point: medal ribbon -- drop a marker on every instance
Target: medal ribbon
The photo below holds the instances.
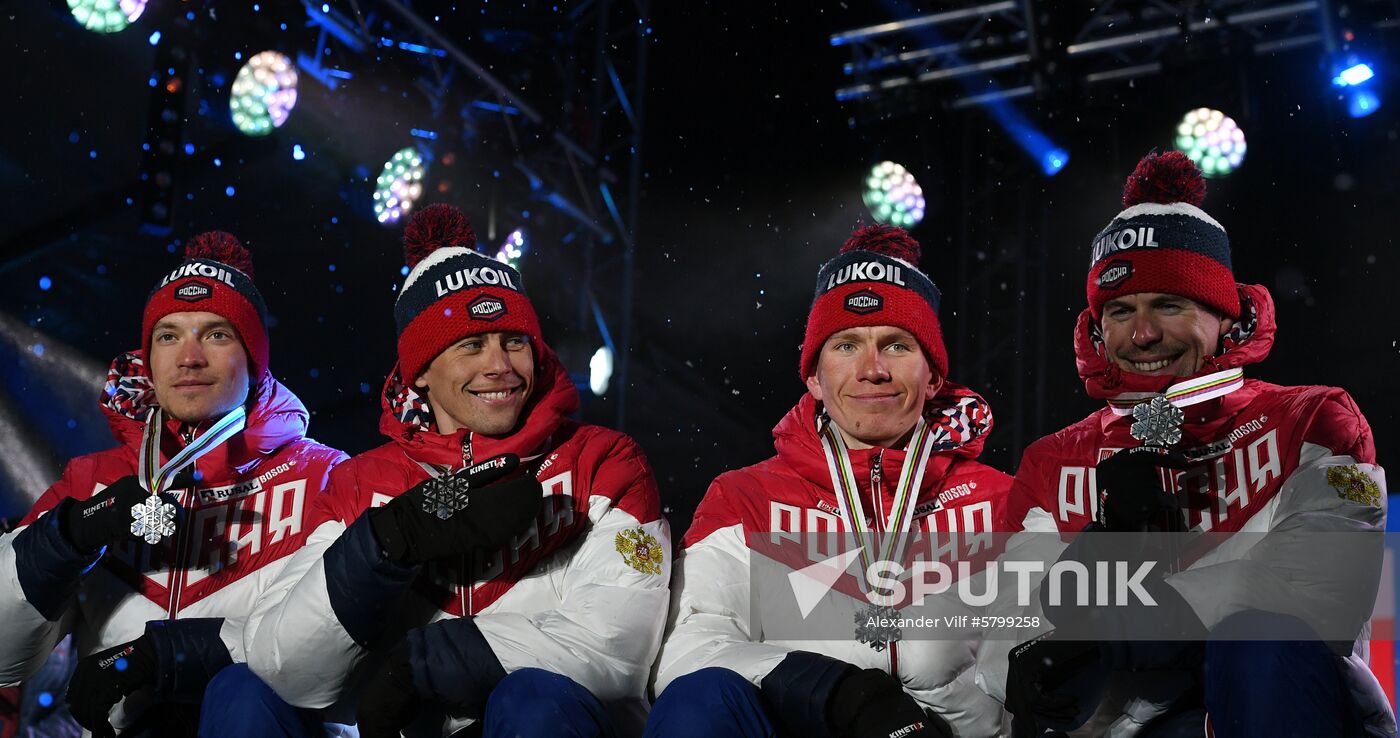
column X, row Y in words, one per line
column 1183, row 394
column 157, row 478
column 911, row 476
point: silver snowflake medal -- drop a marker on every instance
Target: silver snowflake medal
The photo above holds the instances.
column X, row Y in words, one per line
column 153, row 519
column 1157, row 423
column 445, row 495
column 876, row 626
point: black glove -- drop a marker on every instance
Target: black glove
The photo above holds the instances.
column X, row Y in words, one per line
column 1052, row 684
column 389, row 701
column 104, row 678
column 495, row 512
column 873, row 704
column 1131, row 498
column 106, row 516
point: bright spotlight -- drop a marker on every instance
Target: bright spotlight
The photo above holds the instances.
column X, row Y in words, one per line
column 1212, row 140
column 513, row 249
column 106, row 16
column 1053, row 161
column 399, row 185
column 600, row 369
column 1353, row 75
column 264, row 93
column 892, row 195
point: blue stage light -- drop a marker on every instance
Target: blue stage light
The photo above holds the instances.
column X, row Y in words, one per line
column 1361, row 103
column 1053, row 161
column 1354, row 75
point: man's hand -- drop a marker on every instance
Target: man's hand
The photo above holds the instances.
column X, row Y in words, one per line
column 389, row 701
column 1038, row 670
column 104, row 678
column 873, row 704
column 106, row 516
column 1130, row 491
column 494, row 513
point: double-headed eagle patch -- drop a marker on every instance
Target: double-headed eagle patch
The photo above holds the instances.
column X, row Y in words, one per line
column 1353, row 484
column 640, row 550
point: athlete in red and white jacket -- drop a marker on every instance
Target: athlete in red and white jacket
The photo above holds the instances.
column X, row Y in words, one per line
column 538, row 607
column 1166, row 317
column 172, row 613
column 874, row 364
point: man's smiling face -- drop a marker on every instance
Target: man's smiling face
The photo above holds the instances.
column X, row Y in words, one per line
column 1161, row 335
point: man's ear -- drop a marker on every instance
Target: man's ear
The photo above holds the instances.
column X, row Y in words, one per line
column 1226, row 325
column 421, row 382
column 814, row 388
column 935, row 385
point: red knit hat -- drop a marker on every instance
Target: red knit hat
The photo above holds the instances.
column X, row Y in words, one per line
column 452, row 291
column 875, row 280
column 216, row 277
column 1163, row 241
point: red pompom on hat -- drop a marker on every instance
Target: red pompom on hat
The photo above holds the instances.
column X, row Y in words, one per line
column 216, row 277
column 452, row 291
column 436, row 226
column 223, row 247
column 1165, row 179
column 875, row 280
column 1163, row 241
column 883, row 239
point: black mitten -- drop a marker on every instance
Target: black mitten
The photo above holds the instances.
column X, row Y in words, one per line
column 873, row 704
column 1131, row 494
column 104, row 678
column 106, row 516
column 493, row 514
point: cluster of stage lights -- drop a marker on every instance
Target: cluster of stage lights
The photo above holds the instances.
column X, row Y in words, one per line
column 106, row 16
column 892, row 195
column 513, row 249
column 1212, row 140
column 400, row 184
column 264, row 93
column 1354, row 82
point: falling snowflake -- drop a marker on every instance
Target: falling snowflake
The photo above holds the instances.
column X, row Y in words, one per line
column 1157, row 423
column 153, row 519
column 445, row 495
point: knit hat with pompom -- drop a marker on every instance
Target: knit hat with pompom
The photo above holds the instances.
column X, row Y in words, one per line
column 216, row 277
column 1163, row 241
column 875, row 280
column 452, row 291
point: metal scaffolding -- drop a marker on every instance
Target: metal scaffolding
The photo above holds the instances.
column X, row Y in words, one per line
column 579, row 151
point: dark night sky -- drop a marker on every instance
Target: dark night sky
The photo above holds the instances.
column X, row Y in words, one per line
column 752, row 177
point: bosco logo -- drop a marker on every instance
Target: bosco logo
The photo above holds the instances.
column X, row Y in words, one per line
column 1116, row 273
column 487, row 307
column 864, row 302
column 193, row 291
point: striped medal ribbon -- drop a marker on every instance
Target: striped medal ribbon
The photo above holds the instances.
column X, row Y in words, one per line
column 154, row 518
column 1183, row 394
column 891, row 546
